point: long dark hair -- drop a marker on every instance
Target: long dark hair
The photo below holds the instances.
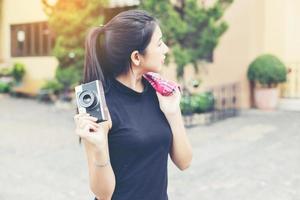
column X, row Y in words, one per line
column 108, row 47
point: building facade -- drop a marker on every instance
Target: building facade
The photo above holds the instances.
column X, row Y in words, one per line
column 255, row 27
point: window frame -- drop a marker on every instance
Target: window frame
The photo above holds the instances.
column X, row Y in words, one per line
column 38, row 40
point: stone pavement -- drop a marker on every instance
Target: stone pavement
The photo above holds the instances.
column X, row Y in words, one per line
column 255, row 156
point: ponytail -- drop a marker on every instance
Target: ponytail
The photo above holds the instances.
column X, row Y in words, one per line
column 92, row 68
column 108, row 48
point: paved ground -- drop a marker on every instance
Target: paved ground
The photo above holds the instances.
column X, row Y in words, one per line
column 252, row 157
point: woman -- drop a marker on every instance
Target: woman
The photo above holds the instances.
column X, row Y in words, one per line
column 128, row 154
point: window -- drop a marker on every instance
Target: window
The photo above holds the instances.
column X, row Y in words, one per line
column 32, row 39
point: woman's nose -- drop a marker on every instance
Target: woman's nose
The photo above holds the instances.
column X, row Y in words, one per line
column 166, row 49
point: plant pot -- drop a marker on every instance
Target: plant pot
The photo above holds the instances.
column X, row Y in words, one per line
column 266, row 98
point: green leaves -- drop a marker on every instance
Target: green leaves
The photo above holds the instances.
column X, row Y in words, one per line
column 68, row 76
column 5, row 87
column 53, row 86
column 182, row 57
column 192, row 31
column 267, row 70
column 70, row 20
column 198, row 103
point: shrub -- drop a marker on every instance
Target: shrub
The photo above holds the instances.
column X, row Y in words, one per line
column 198, row 103
column 18, row 71
column 4, row 87
column 202, row 102
column 68, row 76
column 267, row 70
column 185, row 105
column 53, row 86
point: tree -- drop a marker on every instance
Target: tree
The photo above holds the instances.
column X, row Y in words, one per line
column 69, row 20
column 192, row 30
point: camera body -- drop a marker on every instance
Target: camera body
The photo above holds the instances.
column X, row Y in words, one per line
column 90, row 99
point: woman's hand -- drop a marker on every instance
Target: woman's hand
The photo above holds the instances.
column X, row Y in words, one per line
column 92, row 132
column 170, row 105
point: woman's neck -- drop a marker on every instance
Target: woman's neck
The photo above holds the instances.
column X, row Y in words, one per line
column 132, row 81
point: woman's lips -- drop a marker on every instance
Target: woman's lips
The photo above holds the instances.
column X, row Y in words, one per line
column 163, row 60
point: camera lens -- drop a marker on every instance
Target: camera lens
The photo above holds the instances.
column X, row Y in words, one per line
column 87, row 99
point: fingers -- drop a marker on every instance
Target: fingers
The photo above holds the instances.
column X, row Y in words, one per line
column 85, row 123
column 86, row 129
column 90, row 118
column 158, row 95
column 84, row 116
column 80, row 117
column 176, row 92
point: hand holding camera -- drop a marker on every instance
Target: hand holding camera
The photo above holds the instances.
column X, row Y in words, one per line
column 92, row 109
column 89, row 130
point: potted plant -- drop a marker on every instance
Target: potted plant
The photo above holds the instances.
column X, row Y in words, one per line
column 18, row 72
column 4, row 87
column 6, row 80
column 6, row 76
column 266, row 72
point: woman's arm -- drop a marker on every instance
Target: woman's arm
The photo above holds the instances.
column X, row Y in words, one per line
column 95, row 140
column 102, row 179
column 181, row 150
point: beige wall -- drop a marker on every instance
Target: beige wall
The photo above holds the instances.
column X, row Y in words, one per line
column 283, row 29
column 275, row 30
column 238, row 46
column 38, row 68
column 292, row 36
column 255, row 27
column 1, row 32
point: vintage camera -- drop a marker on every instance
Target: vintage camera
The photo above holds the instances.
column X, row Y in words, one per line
column 90, row 99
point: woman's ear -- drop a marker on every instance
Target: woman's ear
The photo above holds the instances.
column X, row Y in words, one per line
column 135, row 58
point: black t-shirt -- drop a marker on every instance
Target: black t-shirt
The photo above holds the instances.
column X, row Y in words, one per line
column 139, row 143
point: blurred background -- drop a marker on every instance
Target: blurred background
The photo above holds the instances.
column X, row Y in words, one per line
column 237, row 61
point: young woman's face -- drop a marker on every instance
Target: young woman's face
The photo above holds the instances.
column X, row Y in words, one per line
column 154, row 57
